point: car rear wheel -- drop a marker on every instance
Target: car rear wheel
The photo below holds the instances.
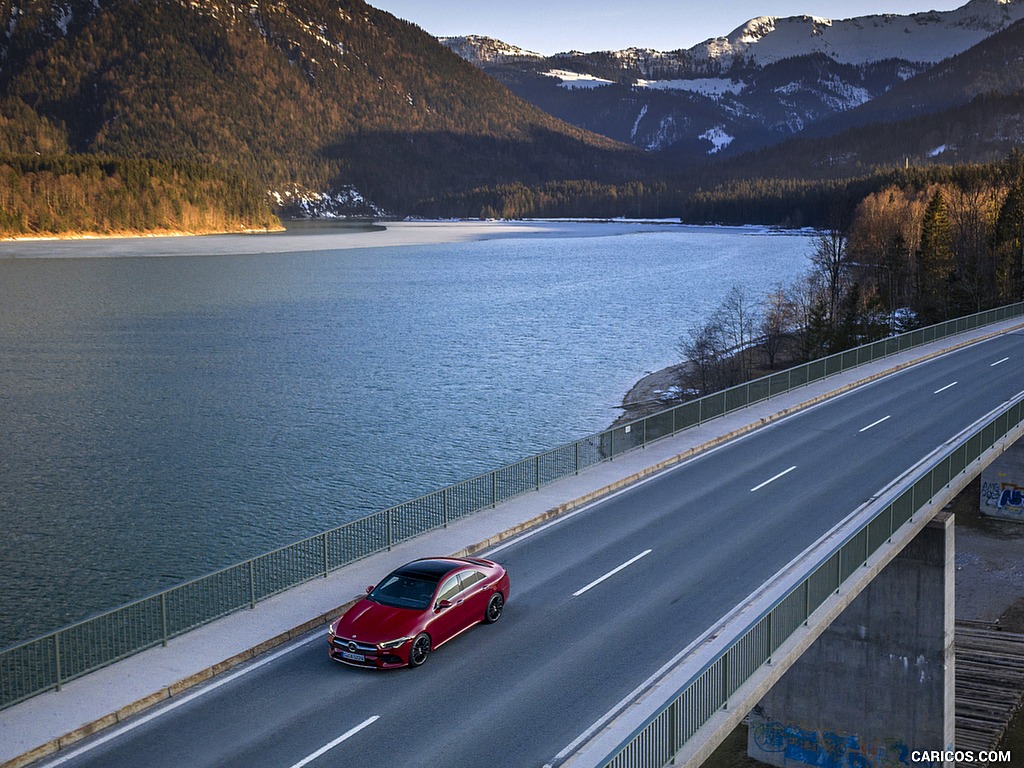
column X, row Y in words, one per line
column 420, row 650
column 494, row 608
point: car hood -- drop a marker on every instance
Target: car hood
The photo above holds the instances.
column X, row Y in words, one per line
column 371, row 622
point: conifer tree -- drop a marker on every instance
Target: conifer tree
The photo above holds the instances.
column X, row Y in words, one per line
column 1009, row 244
column 935, row 260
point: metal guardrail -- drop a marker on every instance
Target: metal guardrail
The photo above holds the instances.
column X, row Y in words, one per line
column 47, row 662
column 654, row 743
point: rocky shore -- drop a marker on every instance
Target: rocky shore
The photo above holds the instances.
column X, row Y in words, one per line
column 654, row 392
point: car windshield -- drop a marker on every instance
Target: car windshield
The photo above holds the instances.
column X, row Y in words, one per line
column 401, row 590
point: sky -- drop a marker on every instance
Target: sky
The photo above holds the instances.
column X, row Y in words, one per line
column 600, row 25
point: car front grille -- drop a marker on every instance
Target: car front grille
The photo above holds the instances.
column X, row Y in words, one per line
column 354, row 646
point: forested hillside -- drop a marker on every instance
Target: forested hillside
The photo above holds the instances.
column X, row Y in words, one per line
column 316, row 94
column 199, row 115
column 97, row 194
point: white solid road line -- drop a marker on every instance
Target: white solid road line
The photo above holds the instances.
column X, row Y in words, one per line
column 997, row 362
column 875, row 423
column 943, row 389
column 344, row 737
column 772, row 479
column 611, row 573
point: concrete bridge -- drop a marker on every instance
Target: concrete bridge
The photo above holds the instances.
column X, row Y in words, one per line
column 688, row 543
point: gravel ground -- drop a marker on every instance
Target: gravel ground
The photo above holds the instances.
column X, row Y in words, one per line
column 989, row 564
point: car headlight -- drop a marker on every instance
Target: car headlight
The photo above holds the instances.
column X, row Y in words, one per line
column 393, row 643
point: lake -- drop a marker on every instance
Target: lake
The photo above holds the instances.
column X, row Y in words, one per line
column 169, row 406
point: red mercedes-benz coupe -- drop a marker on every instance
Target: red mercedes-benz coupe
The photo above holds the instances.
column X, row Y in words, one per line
column 418, row 608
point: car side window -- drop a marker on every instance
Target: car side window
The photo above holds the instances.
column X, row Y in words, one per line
column 449, row 589
column 469, row 578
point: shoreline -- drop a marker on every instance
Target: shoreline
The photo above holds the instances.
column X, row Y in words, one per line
column 311, row 235
column 131, row 234
column 334, row 234
column 650, row 394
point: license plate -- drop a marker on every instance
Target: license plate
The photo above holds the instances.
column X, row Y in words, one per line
column 352, row 656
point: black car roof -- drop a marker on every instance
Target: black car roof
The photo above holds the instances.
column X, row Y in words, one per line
column 432, row 569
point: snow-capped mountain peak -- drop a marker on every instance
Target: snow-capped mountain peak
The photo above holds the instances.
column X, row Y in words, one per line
column 927, row 37
column 768, row 79
column 479, row 49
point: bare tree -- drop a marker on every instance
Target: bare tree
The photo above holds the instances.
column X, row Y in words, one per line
column 704, row 350
column 738, row 318
column 777, row 323
column 831, row 264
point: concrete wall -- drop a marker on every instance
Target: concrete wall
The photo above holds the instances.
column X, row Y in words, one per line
column 1002, row 485
column 878, row 684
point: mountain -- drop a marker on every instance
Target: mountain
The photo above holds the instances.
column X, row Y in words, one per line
column 967, row 109
column 768, row 80
column 993, row 66
column 925, row 37
column 316, row 101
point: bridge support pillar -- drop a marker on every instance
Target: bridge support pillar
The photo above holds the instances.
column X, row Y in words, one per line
column 1002, row 485
column 878, row 684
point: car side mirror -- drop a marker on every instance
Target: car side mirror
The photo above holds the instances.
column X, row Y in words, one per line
column 369, row 589
column 442, row 605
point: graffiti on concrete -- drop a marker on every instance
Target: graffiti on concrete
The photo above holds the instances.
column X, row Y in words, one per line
column 826, row 749
column 1007, row 497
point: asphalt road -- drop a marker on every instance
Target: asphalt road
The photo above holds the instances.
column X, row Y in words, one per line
column 574, row 640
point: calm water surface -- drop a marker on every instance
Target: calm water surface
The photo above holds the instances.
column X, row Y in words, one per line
column 163, row 417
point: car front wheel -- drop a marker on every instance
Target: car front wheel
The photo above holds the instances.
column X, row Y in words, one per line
column 494, row 608
column 420, row 650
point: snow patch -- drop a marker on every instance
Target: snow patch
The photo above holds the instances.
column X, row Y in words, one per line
column 13, row 24
column 847, row 95
column 665, row 136
column 636, row 123
column 64, row 20
column 937, row 151
column 576, row 79
column 718, row 138
column 345, row 202
column 714, row 87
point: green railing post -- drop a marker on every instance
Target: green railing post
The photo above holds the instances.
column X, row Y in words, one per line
column 56, row 657
column 327, row 568
column 163, row 615
column 252, row 586
column 725, row 680
column 673, row 729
